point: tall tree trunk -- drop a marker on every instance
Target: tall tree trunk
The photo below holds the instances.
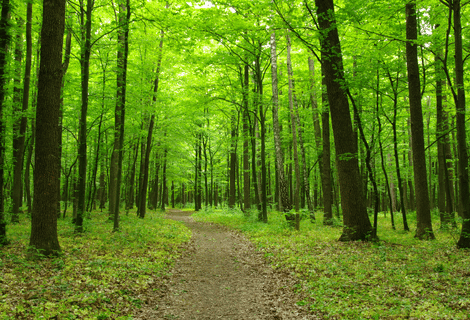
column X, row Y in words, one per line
column 284, row 200
column 355, row 219
column 119, row 120
column 326, row 158
column 44, row 237
column 262, row 126
column 233, row 159
column 85, row 17
column 246, row 140
column 164, row 189
column 196, row 174
column 18, row 114
column 394, row 85
column 4, row 40
column 294, row 134
column 145, row 176
column 464, row 241
column 423, row 213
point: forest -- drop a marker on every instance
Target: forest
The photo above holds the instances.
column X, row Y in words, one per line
column 313, row 120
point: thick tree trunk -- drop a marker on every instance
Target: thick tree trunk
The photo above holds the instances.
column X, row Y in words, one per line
column 464, row 241
column 44, row 239
column 355, row 219
column 4, row 40
column 423, row 213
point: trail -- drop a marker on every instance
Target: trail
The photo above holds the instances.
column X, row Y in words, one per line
column 222, row 276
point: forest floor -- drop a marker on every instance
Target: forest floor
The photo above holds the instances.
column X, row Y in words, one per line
column 222, row 276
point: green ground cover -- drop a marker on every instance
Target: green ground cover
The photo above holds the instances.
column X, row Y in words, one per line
column 397, row 277
column 98, row 275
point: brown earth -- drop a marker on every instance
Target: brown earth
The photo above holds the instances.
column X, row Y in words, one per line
column 222, row 276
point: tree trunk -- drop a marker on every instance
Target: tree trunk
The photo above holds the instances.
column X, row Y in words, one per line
column 44, row 239
column 294, row 135
column 284, row 200
column 116, row 159
column 4, row 40
column 85, row 17
column 263, row 214
column 233, row 159
column 356, row 221
column 423, row 213
column 164, row 191
column 326, row 159
column 464, row 241
column 246, row 141
column 19, row 119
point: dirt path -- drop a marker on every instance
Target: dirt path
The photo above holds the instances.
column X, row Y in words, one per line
column 221, row 276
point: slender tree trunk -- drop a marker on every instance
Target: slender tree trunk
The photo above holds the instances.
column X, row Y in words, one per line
column 284, row 200
column 233, row 159
column 294, row 134
column 423, row 213
column 326, row 159
column 27, row 175
column 401, row 191
column 44, row 238
column 262, row 127
column 164, row 191
column 116, row 159
column 246, row 141
column 82, row 141
column 18, row 138
column 355, row 219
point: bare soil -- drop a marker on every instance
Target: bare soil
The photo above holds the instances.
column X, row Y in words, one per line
column 222, row 276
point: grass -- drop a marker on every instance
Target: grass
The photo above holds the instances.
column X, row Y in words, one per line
column 98, row 275
column 398, row 277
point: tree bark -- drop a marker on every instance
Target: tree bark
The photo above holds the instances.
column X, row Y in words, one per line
column 294, row 134
column 119, row 119
column 355, row 219
column 18, row 137
column 326, row 159
column 423, row 213
column 4, row 40
column 44, row 239
column 246, row 141
column 233, row 160
column 464, row 192
column 285, row 203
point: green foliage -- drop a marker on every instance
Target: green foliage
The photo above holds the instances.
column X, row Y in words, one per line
column 396, row 278
column 98, row 275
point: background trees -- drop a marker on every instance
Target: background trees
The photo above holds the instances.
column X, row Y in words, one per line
column 206, row 141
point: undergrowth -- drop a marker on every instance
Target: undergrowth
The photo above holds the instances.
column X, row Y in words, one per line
column 397, row 277
column 98, row 275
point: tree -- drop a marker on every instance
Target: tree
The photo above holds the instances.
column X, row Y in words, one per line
column 423, row 212
column 44, row 238
column 4, row 39
column 284, row 199
column 356, row 222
